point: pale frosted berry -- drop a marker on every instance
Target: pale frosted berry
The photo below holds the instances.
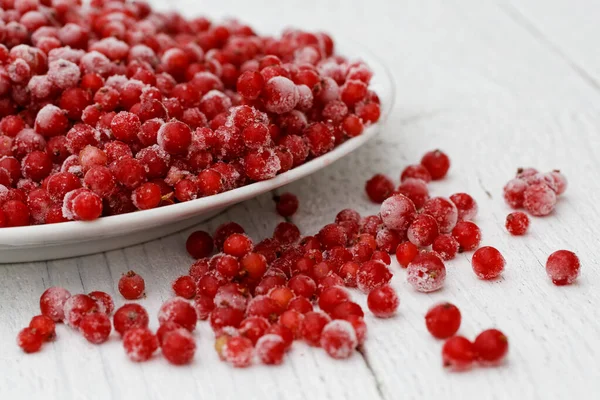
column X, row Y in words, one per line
column 199, row 244
column 179, row 311
column 437, row 163
column 95, row 327
column 467, row 234
column 139, row 344
column 300, row 304
column 104, row 302
column 383, row 301
column 416, row 171
column 232, row 295
column 539, row 199
column 130, row 316
column 514, row 192
column 398, row 212
column 443, row 320
column 178, row 346
column 270, row 349
column 446, row 246
column 280, row 95
column 286, row 204
column 388, row 239
column 52, row 302
column 416, row 190
column 30, row 340
column 184, row 286
column 560, row 181
column 426, row 273
column 490, row 347
column 76, row 307
column 487, row 263
column 238, row 351
column 379, row 188
column 423, row 230
column 444, row 211
column 338, row 339
column 405, row 253
column 371, row 275
column 360, row 327
column 517, row 223
column 254, row 328
column 131, row 286
column 466, row 206
column 458, row 354
column 563, row 267
column 525, row 173
column 44, row 326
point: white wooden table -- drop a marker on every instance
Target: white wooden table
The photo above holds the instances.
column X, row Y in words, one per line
column 497, row 85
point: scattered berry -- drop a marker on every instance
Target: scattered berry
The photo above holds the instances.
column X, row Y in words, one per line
column 458, row 354
column 487, row 263
column 467, row 234
column 52, row 303
column 443, row 320
column 338, row 339
column 30, row 340
column 130, row 316
column 466, row 206
column 383, row 301
column 286, row 204
column 44, row 326
column 178, row 346
column 562, row 267
column 517, row 223
column 446, row 246
column 95, row 327
column 490, row 346
column 426, row 273
column 131, row 286
column 437, row 163
column 379, row 188
column 139, row 344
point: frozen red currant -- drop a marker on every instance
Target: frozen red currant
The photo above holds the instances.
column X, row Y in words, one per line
column 467, row 234
column 539, row 199
column 331, row 297
column 446, row 246
column 560, row 181
column 184, row 286
column 398, row 212
column 76, row 307
column 199, row 244
column 312, row 325
column 405, row 253
column 437, row 163
column 371, row 275
column 443, row 320
column 237, row 245
column 104, row 302
column 423, row 230
column 458, row 353
column 131, row 286
column 517, row 223
column 426, row 273
column 490, row 347
column 487, row 263
column 338, row 339
column 563, row 267
column 44, row 326
column 270, row 349
column 416, row 171
column 379, row 188
column 416, row 190
column 466, row 206
column 52, row 302
column 514, row 192
column 130, row 316
column 444, row 211
column 95, row 327
column 238, row 351
column 178, row 346
column 286, row 204
column 383, row 301
column 174, row 137
column 30, row 340
column 139, row 344
column 179, row 311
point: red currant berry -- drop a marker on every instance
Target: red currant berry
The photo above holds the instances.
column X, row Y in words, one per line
column 406, row 252
column 338, row 339
column 383, row 301
column 467, row 234
column 517, row 223
column 416, row 171
column 491, row 346
column 199, row 244
column 103, row 301
column 423, row 230
column 458, row 353
column 446, row 246
column 539, row 199
column 95, row 327
column 30, row 340
column 286, row 204
column 238, row 351
column 437, row 163
column 416, row 190
column 139, row 344
column 487, row 263
column 444, row 211
column 52, row 303
column 130, row 316
column 563, row 267
column 76, row 307
column 398, row 212
column 514, row 192
column 132, row 286
column 371, row 275
column 44, row 326
column 184, row 286
column 178, row 346
column 466, row 206
column 443, row 320
column 379, row 188
column 180, row 311
column 426, row 273
column 270, row 349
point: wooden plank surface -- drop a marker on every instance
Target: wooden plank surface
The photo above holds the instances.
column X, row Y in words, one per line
column 497, row 86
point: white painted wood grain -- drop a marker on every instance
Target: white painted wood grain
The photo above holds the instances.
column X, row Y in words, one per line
column 497, row 86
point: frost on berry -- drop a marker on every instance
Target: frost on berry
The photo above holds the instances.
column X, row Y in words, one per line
column 514, row 192
column 179, row 311
column 338, row 339
column 444, row 211
column 539, row 199
column 52, row 302
column 563, row 267
column 270, row 349
column 487, row 263
column 397, row 212
column 426, row 273
column 517, row 223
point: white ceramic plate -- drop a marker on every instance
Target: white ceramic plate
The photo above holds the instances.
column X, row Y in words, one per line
column 71, row 239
